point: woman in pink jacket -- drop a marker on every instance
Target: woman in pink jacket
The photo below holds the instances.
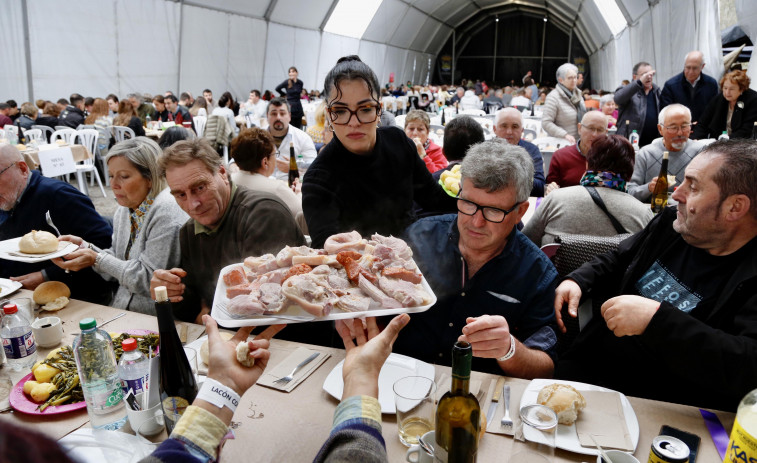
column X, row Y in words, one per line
column 417, row 126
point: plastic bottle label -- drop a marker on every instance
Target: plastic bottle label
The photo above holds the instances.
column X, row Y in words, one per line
column 100, row 397
column 136, row 385
column 19, row 347
column 742, row 448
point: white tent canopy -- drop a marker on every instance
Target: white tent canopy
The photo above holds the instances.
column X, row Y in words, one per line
column 95, row 47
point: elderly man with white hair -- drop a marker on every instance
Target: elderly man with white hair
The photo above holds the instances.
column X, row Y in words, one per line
column 564, row 106
column 691, row 88
column 508, row 125
column 675, row 127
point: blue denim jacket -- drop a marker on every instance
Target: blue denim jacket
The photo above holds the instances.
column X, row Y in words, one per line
column 518, row 284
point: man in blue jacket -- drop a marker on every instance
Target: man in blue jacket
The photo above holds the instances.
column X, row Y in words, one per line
column 25, row 197
column 690, row 88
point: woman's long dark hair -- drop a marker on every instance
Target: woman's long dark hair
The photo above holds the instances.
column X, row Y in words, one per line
column 350, row 68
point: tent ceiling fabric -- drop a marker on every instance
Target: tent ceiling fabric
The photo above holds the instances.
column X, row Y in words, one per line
column 208, row 43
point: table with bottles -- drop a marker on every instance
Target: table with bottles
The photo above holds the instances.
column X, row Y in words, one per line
column 266, row 418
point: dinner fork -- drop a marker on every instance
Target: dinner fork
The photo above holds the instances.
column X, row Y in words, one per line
column 285, row 379
column 50, row 222
column 506, row 421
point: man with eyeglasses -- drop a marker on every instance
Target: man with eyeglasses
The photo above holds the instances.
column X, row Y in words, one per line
column 568, row 164
column 25, row 197
column 691, row 87
column 675, row 128
column 495, row 288
column 279, row 115
column 508, row 125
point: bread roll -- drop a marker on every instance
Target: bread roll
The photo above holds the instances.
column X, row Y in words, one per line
column 564, row 400
column 243, row 354
column 49, row 291
column 56, row 305
column 38, row 242
column 204, row 350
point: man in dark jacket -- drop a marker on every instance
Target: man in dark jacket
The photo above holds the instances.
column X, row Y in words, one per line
column 691, row 88
column 679, row 318
column 73, row 115
column 25, row 197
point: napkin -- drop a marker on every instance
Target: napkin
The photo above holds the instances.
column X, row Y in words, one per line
column 516, row 392
column 604, row 418
column 88, row 445
column 287, row 365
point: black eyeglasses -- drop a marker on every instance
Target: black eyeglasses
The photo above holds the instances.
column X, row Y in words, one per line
column 364, row 114
column 491, row 214
column 3, row 171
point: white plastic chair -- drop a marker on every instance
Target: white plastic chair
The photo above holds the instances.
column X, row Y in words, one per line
column 119, row 133
column 68, row 135
column 88, row 138
column 200, row 122
column 36, row 135
column 473, row 112
column 46, row 130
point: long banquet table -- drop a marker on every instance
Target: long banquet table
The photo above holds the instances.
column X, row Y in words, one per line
column 271, row 425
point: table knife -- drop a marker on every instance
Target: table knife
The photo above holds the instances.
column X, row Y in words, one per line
column 495, row 399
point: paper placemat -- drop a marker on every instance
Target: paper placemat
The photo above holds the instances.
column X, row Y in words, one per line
column 287, row 365
column 605, row 420
column 516, row 392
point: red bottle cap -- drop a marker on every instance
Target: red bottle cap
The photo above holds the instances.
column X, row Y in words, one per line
column 129, row 344
column 10, row 309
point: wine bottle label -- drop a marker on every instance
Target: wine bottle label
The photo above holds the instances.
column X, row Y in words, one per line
column 742, row 446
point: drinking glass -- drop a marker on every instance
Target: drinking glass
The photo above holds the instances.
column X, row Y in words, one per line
column 414, row 399
column 192, row 357
column 539, row 428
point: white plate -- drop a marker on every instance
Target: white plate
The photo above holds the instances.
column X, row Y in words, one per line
column 396, row 367
column 11, row 245
column 567, row 437
column 8, row 287
column 221, row 315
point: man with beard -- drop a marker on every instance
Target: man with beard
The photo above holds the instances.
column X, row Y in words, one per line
column 678, row 321
column 279, row 116
column 674, row 126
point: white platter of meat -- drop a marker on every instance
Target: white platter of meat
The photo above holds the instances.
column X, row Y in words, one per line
column 351, row 277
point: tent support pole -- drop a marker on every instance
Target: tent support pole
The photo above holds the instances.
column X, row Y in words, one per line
column 454, row 58
column 543, row 41
column 27, row 51
column 494, row 58
column 181, row 31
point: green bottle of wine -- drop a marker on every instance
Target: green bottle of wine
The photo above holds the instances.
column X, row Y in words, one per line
column 458, row 414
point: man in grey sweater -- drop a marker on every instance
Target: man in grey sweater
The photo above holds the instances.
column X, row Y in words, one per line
column 674, row 126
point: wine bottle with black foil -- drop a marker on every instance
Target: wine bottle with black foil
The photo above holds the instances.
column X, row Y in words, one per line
column 660, row 192
column 294, row 172
column 444, row 121
column 178, row 387
column 458, row 414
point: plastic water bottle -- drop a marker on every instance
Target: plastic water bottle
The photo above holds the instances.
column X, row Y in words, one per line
column 724, row 136
column 98, row 375
column 18, row 340
column 133, row 367
column 634, row 139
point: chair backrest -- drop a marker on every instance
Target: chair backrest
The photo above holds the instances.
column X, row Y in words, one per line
column 120, row 133
column 47, row 130
column 88, row 138
column 200, row 122
column 62, row 127
column 36, row 135
column 67, row 134
column 574, row 251
column 82, row 127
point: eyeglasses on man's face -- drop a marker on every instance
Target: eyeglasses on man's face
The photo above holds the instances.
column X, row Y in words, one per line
column 677, row 128
column 3, row 171
column 491, row 214
column 365, row 114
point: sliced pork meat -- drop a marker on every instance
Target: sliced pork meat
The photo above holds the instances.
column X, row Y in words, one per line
column 275, row 276
column 351, row 241
column 308, row 292
column 353, row 303
column 314, row 261
column 298, row 269
column 377, row 295
column 262, row 264
column 400, row 248
column 234, row 291
column 408, row 294
column 245, row 305
column 402, row 274
column 271, row 298
column 235, row 276
column 284, row 257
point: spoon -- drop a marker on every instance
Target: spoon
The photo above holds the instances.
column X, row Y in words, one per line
column 427, row 447
column 602, row 452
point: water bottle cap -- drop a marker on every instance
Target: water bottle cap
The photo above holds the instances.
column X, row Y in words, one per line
column 87, row 323
column 129, row 344
column 10, row 309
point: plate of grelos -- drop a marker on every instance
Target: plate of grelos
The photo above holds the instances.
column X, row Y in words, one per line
column 395, row 368
column 566, row 437
column 221, row 315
